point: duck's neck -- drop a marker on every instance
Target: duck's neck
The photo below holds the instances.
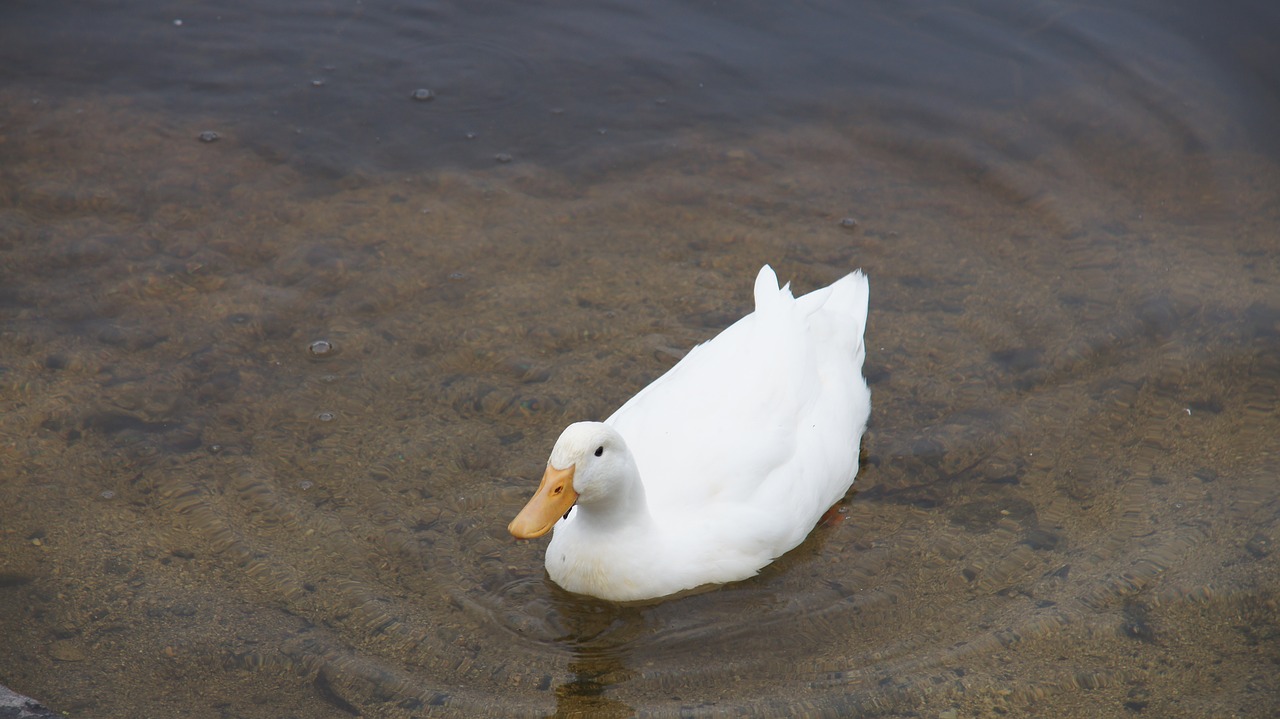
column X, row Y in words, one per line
column 622, row 508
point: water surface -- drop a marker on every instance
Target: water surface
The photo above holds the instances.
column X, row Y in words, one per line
column 269, row 401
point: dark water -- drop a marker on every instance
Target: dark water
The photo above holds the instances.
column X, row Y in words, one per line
column 268, row 402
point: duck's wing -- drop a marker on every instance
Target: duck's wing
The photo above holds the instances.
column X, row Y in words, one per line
column 763, row 414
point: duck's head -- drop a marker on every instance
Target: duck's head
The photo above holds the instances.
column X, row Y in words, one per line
column 588, row 464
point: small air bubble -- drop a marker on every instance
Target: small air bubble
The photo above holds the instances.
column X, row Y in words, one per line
column 422, row 94
column 209, row 136
column 326, row 416
column 107, row 494
column 305, row 484
column 321, row 348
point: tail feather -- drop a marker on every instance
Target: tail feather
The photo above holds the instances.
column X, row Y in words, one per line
column 767, row 294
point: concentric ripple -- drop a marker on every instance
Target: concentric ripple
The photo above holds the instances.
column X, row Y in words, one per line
column 936, row 584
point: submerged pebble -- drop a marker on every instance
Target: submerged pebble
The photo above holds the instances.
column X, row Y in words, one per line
column 503, row 157
column 321, row 348
column 1259, row 545
column 209, row 136
column 68, row 650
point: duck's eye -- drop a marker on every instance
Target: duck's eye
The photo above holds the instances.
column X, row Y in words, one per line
column 599, row 451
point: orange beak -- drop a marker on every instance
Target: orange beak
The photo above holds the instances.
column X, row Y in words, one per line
column 554, row 498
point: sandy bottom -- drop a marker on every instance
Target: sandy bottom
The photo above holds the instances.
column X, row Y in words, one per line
column 261, row 434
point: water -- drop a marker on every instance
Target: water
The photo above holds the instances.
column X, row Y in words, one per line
column 269, row 401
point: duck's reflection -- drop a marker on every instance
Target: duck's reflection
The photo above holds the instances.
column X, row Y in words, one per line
column 586, row 694
column 599, row 634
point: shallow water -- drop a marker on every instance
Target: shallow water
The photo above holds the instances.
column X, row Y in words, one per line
column 270, row 401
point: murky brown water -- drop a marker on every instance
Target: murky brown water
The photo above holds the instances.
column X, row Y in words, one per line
column 268, row 407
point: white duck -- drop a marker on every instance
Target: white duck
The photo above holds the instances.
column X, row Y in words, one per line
column 722, row 464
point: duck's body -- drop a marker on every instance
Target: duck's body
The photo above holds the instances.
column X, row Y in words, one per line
column 720, row 466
